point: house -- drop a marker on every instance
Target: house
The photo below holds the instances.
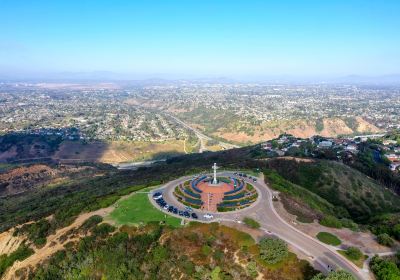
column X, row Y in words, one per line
column 325, row 144
column 351, row 148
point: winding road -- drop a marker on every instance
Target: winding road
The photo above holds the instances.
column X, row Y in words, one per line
column 202, row 137
column 323, row 257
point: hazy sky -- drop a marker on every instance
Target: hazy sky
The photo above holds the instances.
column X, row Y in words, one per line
column 201, row 37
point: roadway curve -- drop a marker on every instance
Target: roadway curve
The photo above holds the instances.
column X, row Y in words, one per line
column 320, row 254
column 202, row 137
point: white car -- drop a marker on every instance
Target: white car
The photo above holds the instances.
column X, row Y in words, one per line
column 208, row 216
column 157, row 196
column 166, row 207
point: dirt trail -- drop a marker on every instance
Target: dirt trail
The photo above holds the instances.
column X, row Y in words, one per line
column 53, row 244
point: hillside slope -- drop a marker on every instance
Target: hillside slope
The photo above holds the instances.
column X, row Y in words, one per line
column 351, row 193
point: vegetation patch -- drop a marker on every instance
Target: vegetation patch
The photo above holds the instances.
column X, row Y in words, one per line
column 355, row 255
column 251, row 222
column 384, row 269
column 329, row 238
column 273, row 250
column 20, row 254
column 331, row 221
column 198, row 251
column 137, row 209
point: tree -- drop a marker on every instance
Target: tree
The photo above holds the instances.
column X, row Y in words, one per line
column 384, row 269
column 354, row 253
column 384, row 239
column 273, row 250
column 319, row 276
column 396, row 231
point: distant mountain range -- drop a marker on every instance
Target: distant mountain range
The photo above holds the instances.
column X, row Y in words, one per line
column 157, row 78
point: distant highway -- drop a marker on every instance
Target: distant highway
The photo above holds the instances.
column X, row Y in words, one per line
column 320, row 254
column 202, row 137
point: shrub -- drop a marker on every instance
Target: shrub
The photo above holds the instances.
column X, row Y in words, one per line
column 206, row 250
column 103, row 230
column 385, row 240
column 91, row 222
column 354, row 253
column 347, row 223
column 36, row 232
column 251, row 222
column 396, row 231
column 336, row 275
column 20, row 254
column 252, row 269
column 273, row 250
column 331, row 221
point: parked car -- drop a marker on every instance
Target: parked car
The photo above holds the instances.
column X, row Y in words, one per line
column 194, row 216
column 208, row 216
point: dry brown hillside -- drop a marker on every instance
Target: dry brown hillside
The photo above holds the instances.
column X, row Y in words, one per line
column 331, row 127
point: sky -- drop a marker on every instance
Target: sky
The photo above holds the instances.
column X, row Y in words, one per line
column 201, row 38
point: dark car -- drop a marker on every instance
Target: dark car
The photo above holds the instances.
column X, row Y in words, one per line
column 175, row 211
column 186, row 214
column 194, row 216
column 170, row 209
column 180, row 212
column 156, row 194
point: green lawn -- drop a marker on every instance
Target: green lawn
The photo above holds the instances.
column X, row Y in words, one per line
column 328, row 238
column 137, row 209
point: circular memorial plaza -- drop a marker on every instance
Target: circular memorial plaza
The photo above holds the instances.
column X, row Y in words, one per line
column 224, row 194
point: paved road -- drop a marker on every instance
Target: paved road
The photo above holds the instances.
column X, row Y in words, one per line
column 320, row 254
column 202, row 137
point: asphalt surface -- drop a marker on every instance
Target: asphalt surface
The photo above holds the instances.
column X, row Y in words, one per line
column 202, row 137
column 322, row 256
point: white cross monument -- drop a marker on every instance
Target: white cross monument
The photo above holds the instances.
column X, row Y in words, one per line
column 215, row 167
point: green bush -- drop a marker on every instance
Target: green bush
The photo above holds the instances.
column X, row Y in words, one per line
column 347, row 223
column 91, row 222
column 273, row 250
column 206, row 250
column 252, row 269
column 36, row 232
column 103, row 230
column 251, row 222
column 385, row 240
column 354, row 253
column 384, row 269
column 331, row 221
column 20, row 254
column 335, row 275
